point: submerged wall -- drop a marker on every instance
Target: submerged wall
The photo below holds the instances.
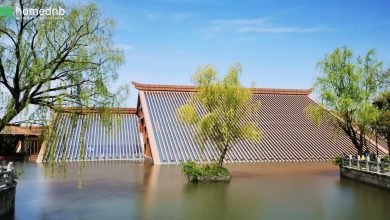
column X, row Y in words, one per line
column 7, row 199
column 375, row 179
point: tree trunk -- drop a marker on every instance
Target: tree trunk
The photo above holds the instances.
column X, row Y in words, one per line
column 222, row 156
column 388, row 142
column 360, row 150
column 358, row 145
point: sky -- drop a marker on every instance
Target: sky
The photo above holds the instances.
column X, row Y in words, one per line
column 278, row 43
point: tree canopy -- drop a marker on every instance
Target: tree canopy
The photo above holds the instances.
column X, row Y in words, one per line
column 226, row 108
column 49, row 62
column 347, row 87
column 382, row 124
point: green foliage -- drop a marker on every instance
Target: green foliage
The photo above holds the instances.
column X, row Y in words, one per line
column 17, row 172
column 385, row 159
column 338, row 160
column 225, row 109
column 214, row 169
column 382, row 124
column 373, row 157
column 346, row 88
column 193, row 170
column 50, row 63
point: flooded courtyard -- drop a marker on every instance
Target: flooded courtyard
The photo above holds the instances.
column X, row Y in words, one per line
column 126, row 190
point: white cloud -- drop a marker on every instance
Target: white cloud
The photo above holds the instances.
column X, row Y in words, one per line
column 239, row 22
column 278, row 30
column 179, row 16
column 256, row 25
column 125, row 46
column 152, row 15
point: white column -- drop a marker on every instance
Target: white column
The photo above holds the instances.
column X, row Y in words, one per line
column 350, row 161
column 358, row 162
column 378, row 168
column 10, row 166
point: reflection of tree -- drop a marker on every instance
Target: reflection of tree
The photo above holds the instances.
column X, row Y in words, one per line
column 81, row 167
column 59, row 170
column 205, row 201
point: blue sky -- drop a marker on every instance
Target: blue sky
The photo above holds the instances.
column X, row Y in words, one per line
column 277, row 42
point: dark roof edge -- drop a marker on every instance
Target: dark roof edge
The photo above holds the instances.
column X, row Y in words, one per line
column 179, row 88
column 97, row 110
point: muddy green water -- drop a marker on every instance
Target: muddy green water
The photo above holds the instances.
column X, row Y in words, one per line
column 124, row 190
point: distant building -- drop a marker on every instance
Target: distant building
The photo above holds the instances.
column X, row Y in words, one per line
column 152, row 131
column 20, row 141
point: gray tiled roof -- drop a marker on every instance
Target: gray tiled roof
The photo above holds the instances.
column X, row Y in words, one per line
column 288, row 134
column 88, row 139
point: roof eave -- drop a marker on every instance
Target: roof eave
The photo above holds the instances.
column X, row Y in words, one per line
column 178, row 88
column 97, row 110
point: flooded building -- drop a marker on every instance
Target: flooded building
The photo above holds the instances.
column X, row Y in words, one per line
column 152, row 132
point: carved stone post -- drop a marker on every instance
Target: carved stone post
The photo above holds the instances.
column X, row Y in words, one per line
column 350, row 161
column 378, row 168
column 358, row 162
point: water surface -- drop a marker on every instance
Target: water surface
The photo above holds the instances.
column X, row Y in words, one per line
column 125, row 190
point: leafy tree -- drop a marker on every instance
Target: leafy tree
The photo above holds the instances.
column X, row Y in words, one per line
column 384, row 80
column 224, row 117
column 48, row 62
column 382, row 125
column 346, row 88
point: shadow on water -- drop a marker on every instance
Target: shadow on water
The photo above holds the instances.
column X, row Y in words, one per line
column 128, row 190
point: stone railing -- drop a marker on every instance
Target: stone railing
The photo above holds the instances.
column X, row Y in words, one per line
column 6, row 177
column 377, row 167
column 7, row 189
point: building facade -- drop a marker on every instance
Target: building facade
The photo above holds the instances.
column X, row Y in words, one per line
column 20, row 142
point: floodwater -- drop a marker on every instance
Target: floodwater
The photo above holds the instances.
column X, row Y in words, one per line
column 125, row 190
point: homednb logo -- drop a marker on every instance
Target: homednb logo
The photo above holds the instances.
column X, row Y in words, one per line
column 49, row 12
column 6, row 12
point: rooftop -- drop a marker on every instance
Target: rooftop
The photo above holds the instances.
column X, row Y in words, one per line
column 97, row 110
column 22, row 130
column 180, row 88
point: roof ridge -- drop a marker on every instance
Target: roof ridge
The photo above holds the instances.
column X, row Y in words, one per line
column 182, row 88
column 96, row 110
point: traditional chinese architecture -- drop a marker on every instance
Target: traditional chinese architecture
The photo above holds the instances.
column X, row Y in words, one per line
column 20, row 141
column 152, row 131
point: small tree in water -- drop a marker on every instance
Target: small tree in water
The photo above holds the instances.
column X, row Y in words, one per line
column 225, row 112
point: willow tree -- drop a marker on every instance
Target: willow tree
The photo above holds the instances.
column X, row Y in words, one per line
column 225, row 112
column 347, row 87
column 382, row 124
column 55, row 60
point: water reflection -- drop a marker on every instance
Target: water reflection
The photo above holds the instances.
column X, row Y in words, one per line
column 126, row 190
